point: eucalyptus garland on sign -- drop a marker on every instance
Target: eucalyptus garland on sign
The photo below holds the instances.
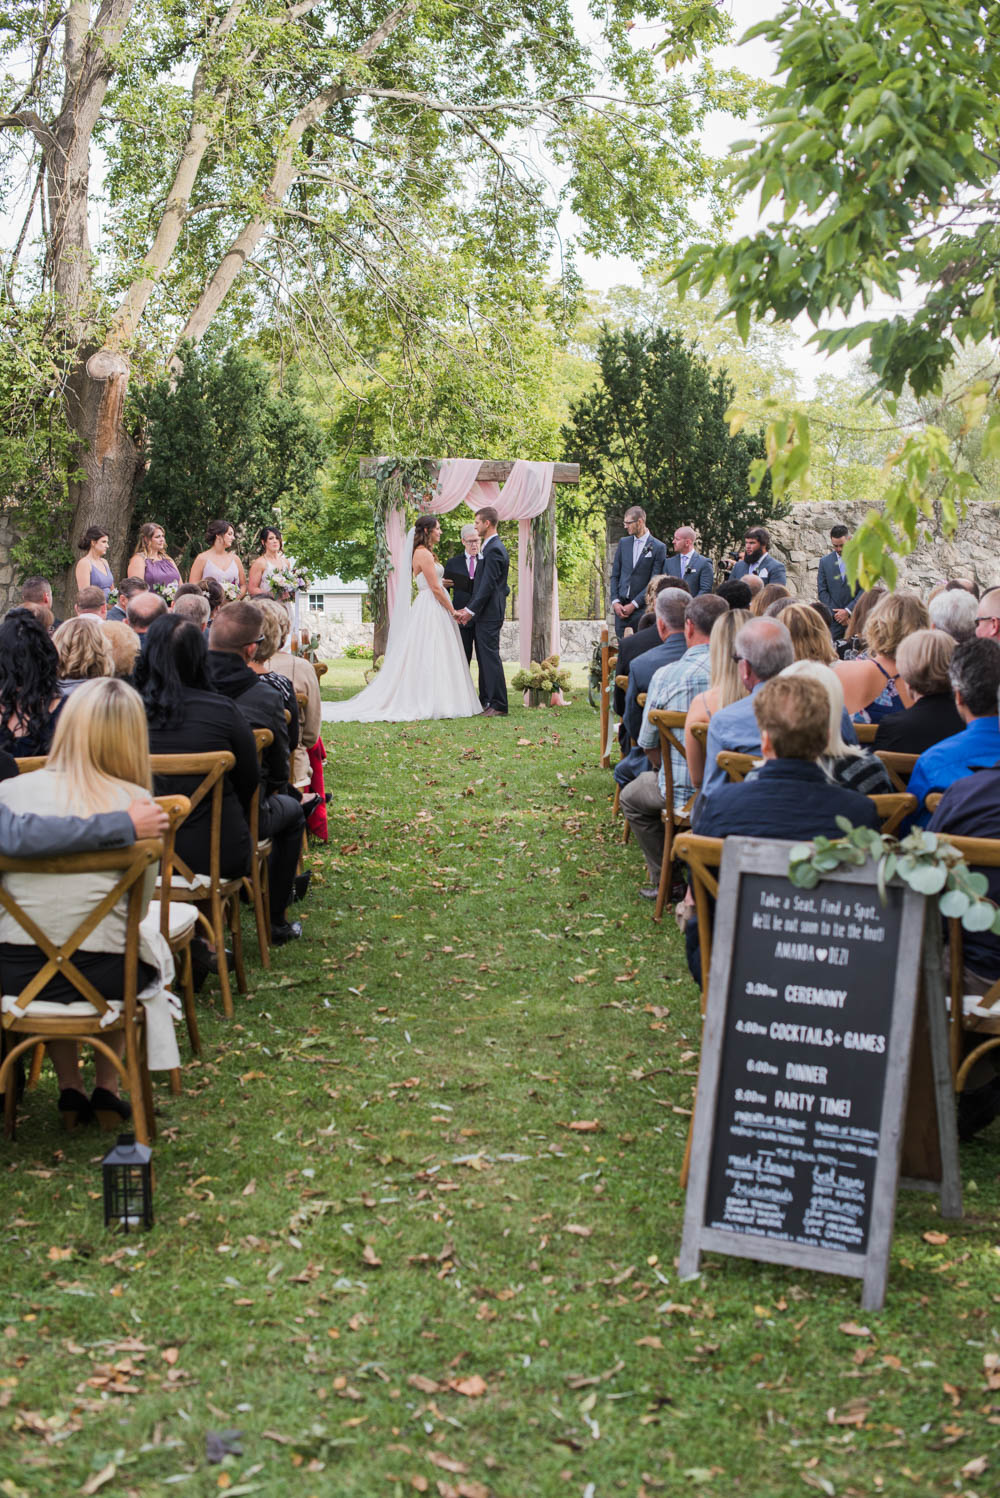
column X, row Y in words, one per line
column 398, row 482
column 926, row 861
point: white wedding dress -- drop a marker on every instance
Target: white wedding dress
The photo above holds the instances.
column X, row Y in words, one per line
column 424, row 674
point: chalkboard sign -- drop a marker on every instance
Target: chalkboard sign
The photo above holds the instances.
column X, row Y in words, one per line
column 802, row 1088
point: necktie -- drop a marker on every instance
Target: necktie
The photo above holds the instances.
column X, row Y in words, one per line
column 472, row 567
column 684, row 565
column 842, row 569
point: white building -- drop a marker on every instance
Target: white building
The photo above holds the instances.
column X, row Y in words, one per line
column 335, row 599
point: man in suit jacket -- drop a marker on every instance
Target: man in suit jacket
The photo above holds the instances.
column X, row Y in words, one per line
column 695, row 570
column 638, row 558
column 485, row 611
column 832, row 587
column 758, row 559
column 460, row 573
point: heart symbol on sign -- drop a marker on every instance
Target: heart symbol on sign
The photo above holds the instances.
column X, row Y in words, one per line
column 822, row 953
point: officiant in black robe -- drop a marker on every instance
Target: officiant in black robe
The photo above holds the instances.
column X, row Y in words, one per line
column 459, row 576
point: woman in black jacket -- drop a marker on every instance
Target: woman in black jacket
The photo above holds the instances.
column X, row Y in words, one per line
column 187, row 716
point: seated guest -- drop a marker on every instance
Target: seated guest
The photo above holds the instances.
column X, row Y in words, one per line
column 91, row 601
column 672, row 689
column 871, row 682
column 974, row 673
column 824, row 613
column 853, row 643
column 725, row 686
column 671, row 606
column 970, row 586
column 970, row 807
column 922, row 660
column 955, row 611
column 753, row 582
column 763, row 648
column 769, row 593
column 125, row 647
column 45, row 616
column 186, row 716
column 653, row 587
column 777, row 608
column 811, row 640
column 99, row 763
column 84, row 652
column 260, row 665
column 736, row 593
column 303, row 679
column 30, row 699
column 988, row 617
column 635, row 644
column 143, row 609
column 37, row 590
column 850, row 765
column 128, row 588
column 233, row 639
column 792, row 796
column 194, row 607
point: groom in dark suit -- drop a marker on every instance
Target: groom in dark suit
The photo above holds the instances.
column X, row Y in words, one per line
column 832, row 585
column 485, row 611
column 638, row 558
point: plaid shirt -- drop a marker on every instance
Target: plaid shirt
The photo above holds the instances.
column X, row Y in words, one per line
column 673, row 689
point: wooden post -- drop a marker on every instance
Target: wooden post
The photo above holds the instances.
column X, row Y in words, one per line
column 543, row 553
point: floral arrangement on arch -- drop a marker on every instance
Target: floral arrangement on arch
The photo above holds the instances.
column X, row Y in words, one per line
column 542, row 676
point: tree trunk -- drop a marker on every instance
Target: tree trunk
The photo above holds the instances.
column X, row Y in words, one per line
column 543, row 551
column 380, row 615
column 106, row 455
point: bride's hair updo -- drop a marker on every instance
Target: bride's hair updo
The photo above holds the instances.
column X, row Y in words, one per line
column 422, row 530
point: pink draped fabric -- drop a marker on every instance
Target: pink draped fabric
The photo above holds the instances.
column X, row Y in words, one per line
column 521, row 498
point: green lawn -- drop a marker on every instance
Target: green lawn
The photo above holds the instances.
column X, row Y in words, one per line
column 384, row 1254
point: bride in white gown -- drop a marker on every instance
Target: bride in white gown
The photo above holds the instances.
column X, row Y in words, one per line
column 425, row 673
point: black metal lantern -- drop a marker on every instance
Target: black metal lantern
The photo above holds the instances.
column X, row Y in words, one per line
column 128, row 1185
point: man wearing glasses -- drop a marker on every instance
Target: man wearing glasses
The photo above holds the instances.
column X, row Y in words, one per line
column 988, row 615
column 233, row 640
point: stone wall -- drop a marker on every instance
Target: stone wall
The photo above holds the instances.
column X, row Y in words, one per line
column 802, row 538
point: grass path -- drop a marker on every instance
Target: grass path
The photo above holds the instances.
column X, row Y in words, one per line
column 417, row 1208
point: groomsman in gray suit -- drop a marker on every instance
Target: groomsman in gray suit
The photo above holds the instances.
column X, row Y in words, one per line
column 832, row 586
column 688, row 565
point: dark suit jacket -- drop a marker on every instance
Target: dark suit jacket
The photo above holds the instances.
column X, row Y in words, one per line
column 489, row 593
column 789, row 798
column 918, row 727
column 643, row 670
column 768, row 569
column 700, row 574
column 834, row 591
column 630, row 647
column 262, row 707
column 457, row 568
column 628, row 583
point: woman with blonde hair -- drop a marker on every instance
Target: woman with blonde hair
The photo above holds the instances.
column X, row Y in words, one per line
column 871, row 683
column 811, row 640
column 84, row 652
column 849, row 765
column 923, row 659
column 99, row 763
column 125, row 646
column 726, row 686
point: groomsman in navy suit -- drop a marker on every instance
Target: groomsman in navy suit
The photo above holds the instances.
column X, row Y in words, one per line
column 686, row 563
column 638, row 558
column 758, row 559
column 832, row 586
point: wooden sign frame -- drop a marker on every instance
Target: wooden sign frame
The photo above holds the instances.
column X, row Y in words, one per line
column 752, row 856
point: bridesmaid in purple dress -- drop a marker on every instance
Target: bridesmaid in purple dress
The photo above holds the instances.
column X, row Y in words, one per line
column 151, row 562
column 92, row 571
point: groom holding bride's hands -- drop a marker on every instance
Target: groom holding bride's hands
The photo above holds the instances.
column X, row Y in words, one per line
column 485, row 611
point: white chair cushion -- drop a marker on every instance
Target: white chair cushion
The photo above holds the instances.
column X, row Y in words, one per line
column 181, row 919
column 201, row 883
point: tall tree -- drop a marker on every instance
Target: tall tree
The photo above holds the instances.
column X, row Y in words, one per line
column 265, row 157
column 880, row 156
column 654, row 432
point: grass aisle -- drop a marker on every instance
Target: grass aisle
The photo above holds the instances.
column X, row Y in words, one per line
column 417, row 1209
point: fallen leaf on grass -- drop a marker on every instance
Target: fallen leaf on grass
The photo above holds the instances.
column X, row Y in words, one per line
column 370, row 1257
column 854, row 1413
column 99, row 1479
column 953, row 1394
column 472, row 1387
column 249, row 1188
column 649, row 1342
column 447, row 1463
column 976, row 1467
column 582, row 1125
column 578, row 1229
column 852, row 1329
column 58, row 1254
column 425, row 1385
column 170, row 1355
column 935, row 1238
column 991, row 1367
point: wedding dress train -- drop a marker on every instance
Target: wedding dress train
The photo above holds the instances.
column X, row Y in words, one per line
column 424, row 674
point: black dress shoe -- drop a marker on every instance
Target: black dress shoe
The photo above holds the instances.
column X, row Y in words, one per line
column 301, row 885
column 75, row 1108
column 286, row 932
column 111, row 1110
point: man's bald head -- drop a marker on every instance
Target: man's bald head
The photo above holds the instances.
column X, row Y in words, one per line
column 143, row 609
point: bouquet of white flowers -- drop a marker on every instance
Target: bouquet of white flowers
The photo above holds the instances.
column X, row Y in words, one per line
column 167, row 591
column 285, row 582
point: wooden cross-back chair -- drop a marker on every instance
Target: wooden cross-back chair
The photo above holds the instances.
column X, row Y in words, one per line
column 29, row 1022
column 670, row 727
column 893, row 808
column 866, row 732
column 256, row 882
column 609, row 655
column 974, row 1028
column 899, row 767
column 208, row 892
column 703, row 856
column 177, row 923
column 737, row 766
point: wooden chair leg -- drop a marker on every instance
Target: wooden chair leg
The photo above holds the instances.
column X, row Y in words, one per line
column 663, row 887
column 219, row 937
column 237, row 933
column 37, row 1057
column 175, row 1081
column 260, row 916
column 616, row 803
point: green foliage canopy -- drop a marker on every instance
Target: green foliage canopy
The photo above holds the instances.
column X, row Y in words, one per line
column 654, row 433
